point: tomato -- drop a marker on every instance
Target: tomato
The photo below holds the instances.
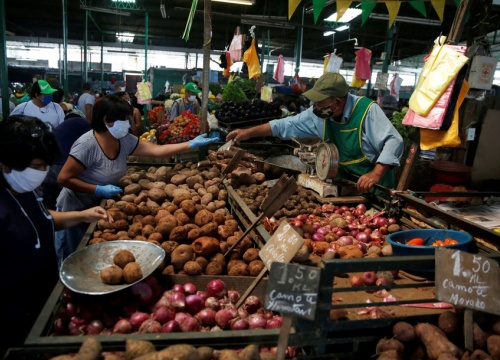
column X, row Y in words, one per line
column 450, row 241
column 438, row 243
column 415, row 242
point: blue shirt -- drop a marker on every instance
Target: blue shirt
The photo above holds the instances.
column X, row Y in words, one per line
column 381, row 142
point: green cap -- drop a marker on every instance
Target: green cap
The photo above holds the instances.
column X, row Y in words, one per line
column 328, row 85
column 192, row 87
column 45, row 87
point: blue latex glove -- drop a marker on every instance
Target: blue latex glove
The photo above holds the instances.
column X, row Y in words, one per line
column 202, row 140
column 107, row 191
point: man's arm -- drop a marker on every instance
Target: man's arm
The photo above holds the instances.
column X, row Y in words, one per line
column 238, row 135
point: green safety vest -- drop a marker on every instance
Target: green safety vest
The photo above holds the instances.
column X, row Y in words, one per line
column 347, row 137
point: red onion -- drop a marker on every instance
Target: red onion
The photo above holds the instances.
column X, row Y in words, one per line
column 177, row 301
column 95, row 327
column 216, row 288
column 163, row 314
column 322, row 231
column 328, row 208
column 223, row 317
column 171, row 326
column 215, row 328
column 257, row 321
column 338, row 211
column 189, row 325
column 181, row 316
column 233, row 296
column 344, row 240
column 361, row 207
column 340, row 232
column 75, row 328
column 59, row 326
column 212, row 303
column 361, row 246
column 367, row 230
column 307, row 236
column 369, row 278
column 353, row 233
column 143, row 292
column 392, row 221
column 206, row 317
column 203, row 294
column 239, row 324
column 318, row 237
column 69, row 311
column 380, row 221
column 297, row 223
column 301, row 217
column 394, row 273
column 194, row 303
column 349, row 218
column 363, row 237
column 150, row 326
column 123, row 326
column 252, row 304
column 274, row 323
column 136, row 319
column 356, row 280
column 344, row 208
column 383, row 229
column 376, row 235
column 189, row 288
column 232, row 310
column 178, row 288
column 316, row 226
column 242, row 313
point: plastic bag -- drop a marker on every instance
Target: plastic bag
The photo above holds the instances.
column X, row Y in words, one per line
column 251, row 58
column 279, row 73
column 236, row 46
column 362, row 68
column 440, row 68
column 430, row 139
column 144, row 93
column 266, row 94
column 334, row 64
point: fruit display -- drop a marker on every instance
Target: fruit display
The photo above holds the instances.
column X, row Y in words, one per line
column 184, row 128
column 149, row 136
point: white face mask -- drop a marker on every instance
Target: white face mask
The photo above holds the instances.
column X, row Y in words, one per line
column 192, row 98
column 26, row 180
column 119, row 129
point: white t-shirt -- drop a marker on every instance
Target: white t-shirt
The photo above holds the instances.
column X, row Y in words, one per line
column 85, row 99
column 52, row 114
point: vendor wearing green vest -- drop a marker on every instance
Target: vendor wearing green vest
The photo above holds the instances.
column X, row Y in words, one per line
column 369, row 146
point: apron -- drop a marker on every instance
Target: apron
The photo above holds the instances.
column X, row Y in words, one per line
column 347, row 137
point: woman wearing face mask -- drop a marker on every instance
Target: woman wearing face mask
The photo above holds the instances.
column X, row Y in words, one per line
column 136, row 122
column 98, row 160
column 28, row 265
column 188, row 102
column 368, row 144
column 41, row 105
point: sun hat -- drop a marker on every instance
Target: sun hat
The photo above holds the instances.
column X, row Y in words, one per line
column 192, row 87
column 328, row 85
column 45, row 87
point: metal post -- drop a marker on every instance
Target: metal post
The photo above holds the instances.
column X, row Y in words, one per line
column 86, row 28
column 4, row 77
column 207, row 35
column 145, row 77
column 300, row 36
column 102, row 61
column 388, row 50
column 65, row 47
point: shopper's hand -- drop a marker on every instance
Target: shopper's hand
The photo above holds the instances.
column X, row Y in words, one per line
column 366, row 181
column 107, row 191
column 202, row 140
column 95, row 214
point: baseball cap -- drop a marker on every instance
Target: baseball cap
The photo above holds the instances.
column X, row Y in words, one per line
column 45, row 87
column 328, row 85
column 192, row 87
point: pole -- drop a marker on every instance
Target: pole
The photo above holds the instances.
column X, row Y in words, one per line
column 65, row 47
column 86, row 28
column 300, row 36
column 4, row 77
column 207, row 37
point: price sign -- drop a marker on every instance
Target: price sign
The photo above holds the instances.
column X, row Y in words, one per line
column 293, row 289
column 282, row 246
column 467, row 280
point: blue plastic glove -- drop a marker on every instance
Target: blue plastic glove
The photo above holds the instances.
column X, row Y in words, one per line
column 202, row 140
column 107, row 191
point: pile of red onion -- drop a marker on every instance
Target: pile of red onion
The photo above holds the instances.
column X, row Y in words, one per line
column 147, row 307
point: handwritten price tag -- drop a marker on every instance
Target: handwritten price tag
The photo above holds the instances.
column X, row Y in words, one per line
column 282, row 246
column 467, row 280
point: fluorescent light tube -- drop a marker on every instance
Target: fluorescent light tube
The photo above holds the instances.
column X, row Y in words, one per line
column 350, row 14
column 342, row 28
column 104, row 10
column 163, row 12
column 407, row 19
column 328, row 33
column 237, row 2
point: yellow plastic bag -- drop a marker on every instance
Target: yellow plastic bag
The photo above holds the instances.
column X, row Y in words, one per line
column 357, row 83
column 266, row 94
column 144, row 91
column 431, row 139
column 441, row 67
column 251, row 58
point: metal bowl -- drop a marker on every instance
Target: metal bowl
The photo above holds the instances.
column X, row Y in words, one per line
column 80, row 272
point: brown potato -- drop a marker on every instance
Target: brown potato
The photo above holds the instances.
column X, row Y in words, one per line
column 123, row 257
column 192, row 267
column 132, row 272
column 181, row 255
column 111, row 275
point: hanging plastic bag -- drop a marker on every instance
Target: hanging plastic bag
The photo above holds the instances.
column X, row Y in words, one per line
column 334, row 64
column 362, row 68
column 251, row 58
column 279, row 72
column 431, row 139
column 440, row 68
column 266, row 94
column 236, row 46
column 144, row 93
column 357, row 83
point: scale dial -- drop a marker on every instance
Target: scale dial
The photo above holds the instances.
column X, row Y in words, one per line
column 327, row 161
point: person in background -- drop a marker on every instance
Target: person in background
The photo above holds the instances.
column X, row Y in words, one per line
column 13, row 98
column 389, row 104
column 187, row 102
column 58, row 98
column 368, row 144
column 41, row 105
column 74, row 126
column 86, row 101
column 28, row 265
column 98, row 160
column 136, row 122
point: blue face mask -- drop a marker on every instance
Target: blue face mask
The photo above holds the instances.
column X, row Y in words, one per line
column 47, row 99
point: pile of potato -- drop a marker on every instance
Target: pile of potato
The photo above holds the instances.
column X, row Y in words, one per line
column 91, row 349
column 444, row 341
column 183, row 210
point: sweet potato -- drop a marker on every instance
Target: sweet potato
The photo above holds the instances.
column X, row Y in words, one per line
column 435, row 341
column 451, row 323
column 227, row 354
column 181, row 255
column 111, row 275
column 135, row 348
column 90, row 349
column 250, row 352
column 493, row 346
column 478, row 336
column 178, row 352
column 389, row 355
column 386, row 344
column 403, row 331
column 477, row 354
